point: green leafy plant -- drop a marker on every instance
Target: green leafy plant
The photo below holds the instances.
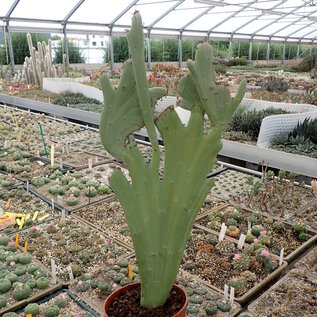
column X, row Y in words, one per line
column 160, row 212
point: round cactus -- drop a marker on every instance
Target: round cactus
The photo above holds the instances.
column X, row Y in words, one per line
column 210, row 308
column 32, row 268
column 5, row 285
column 10, row 315
column 12, row 258
column 4, row 240
column 38, row 181
column 51, row 311
column 40, row 273
column 32, row 309
column 42, row 283
column 25, row 258
column 32, row 283
column 21, row 292
column 91, row 192
column 12, row 277
column 223, row 305
column 20, row 270
column 3, row 301
column 61, row 302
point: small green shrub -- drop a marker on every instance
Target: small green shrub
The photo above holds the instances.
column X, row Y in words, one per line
column 239, row 61
column 250, row 121
column 306, row 129
column 273, row 83
column 74, row 99
column 220, row 68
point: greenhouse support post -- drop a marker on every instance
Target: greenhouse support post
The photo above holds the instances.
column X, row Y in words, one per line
column 149, row 50
column 10, row 47
column 111, row 49
column 250, row 50
column 230, row 49
column 283, row 53
column 180, row 49
column 66, row 45
column 268, row 50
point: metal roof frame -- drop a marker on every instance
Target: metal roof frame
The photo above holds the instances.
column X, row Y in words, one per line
column 210, row 33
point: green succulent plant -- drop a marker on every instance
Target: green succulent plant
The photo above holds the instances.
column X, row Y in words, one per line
column 160, row 212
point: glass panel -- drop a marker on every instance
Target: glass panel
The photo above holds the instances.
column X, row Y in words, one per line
column 44, row 9
column 307, row 32
column 99, row 11
column 272, row 28
column 231, row 24
column 289, row 30
column 149, row 12
column 5, row 5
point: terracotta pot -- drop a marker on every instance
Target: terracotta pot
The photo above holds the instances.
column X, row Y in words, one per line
column 117, row 293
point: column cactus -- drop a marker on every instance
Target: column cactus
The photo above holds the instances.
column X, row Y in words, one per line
column 39, row 65
column 160, row 212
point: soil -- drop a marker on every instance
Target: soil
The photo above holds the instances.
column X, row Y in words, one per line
column 109, row 217
column 211, row 203
column 294, row 295
column 23, row 202
column 230, row 184
column 128, row 304
column 276, row 241
column 214, row 263
column 308, row 215
column 71, row 242
column 278, row 198
column 72, row 309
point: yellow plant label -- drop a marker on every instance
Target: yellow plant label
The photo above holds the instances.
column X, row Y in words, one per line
column 130, row 272
column 35, row 215
column 17, row 240
column 19, row 136
column 8, row 203
column 22, row 223
column 18, row 221
column 27, row 216
column 44, row 217
column 25, row 246
column 36, row 154
column 28, row 315
column 52, row 155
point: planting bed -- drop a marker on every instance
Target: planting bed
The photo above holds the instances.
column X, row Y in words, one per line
column 294, row 295
column 26, row 205
column 219, row 263
column 73, row 190
column 277, row 196
column 230, row 183
column 272, row 232
column 71, row 242
column 308, row 215
column 66, row 306
column 94, row 289
column 8, row 181
column 23, row 280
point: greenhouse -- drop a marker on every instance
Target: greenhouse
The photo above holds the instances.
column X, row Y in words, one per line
column 158, row 158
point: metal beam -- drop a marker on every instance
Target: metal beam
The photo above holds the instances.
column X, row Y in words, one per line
column 250, row 50
column 302, row 28
column 180, row 49
column 13, row 6
column 149, row 50
column 230, row 49
column 268, row 50
column 10, row 46
column 196, row 18
column 165, row 14
column 297, row 52
column 276, row 20
column 283, row 53
column 292, row 23
column 230, row 16
column 122, row 13
column 111, row 50
column 255, row 18
column 66, row 45
column 72, row 11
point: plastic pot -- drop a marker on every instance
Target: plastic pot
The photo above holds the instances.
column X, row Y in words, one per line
column 118, row 292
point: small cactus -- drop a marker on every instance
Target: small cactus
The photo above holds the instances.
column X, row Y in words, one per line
column 51, row 311
column 32, row 309
column 22, row 291
column 160, row 212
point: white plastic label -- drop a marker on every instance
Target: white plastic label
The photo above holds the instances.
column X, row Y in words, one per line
column 70, row 272
column 249, row 226
column 53, row 206
column 226, row 291
column 222, row 231
column 241, row 241
column 231, row 295
column 41, row 163
column 63, row 214
column 27, row 186
column 281, row 256
column 96, row 159
column 90, row 163
column 60, row 200
column 53, row 266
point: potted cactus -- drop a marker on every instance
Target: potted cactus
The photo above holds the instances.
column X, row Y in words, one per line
column 160, row 211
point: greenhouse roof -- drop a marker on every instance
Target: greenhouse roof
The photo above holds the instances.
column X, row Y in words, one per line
column 260, row 20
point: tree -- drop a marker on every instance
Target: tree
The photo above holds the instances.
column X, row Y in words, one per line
column 75, row 54
column 120, row 49
column 20, row 46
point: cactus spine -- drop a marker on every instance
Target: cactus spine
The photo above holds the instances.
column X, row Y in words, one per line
column 39, row 64
column 160, row 213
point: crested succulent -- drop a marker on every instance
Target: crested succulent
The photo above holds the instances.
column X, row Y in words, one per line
column 160, row 212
